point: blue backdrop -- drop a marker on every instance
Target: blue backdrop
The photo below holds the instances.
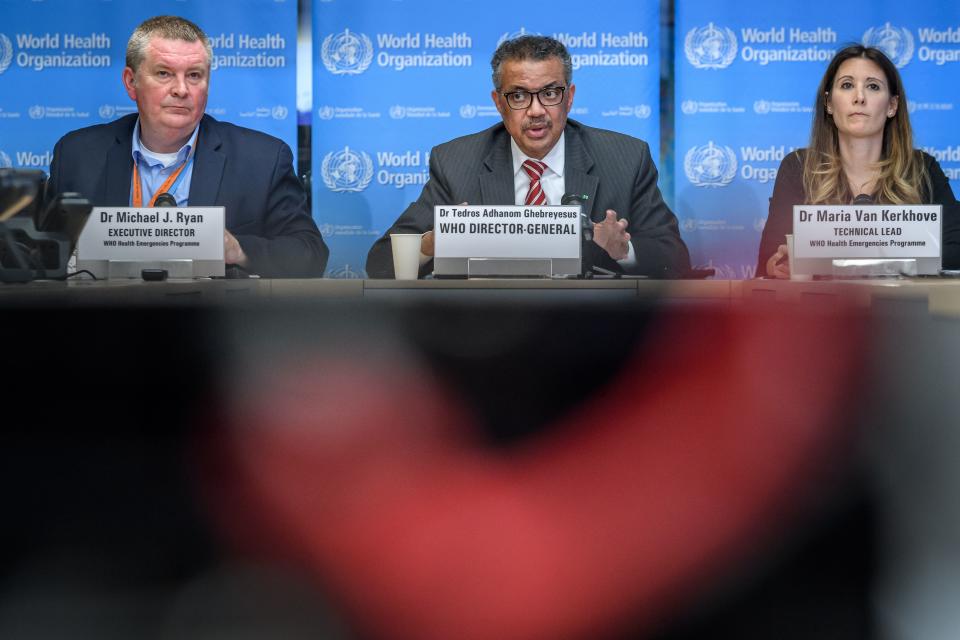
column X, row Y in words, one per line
column 746, row 78
column 61, row 60
column 394, row 78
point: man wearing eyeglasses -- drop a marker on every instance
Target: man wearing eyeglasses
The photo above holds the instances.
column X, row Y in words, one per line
column 535, row 156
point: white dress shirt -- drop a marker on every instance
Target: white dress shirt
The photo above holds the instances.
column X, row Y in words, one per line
column 551, row 182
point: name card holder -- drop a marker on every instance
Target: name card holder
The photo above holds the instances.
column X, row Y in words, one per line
column 856, row 241
column 881, row 268
column 120, row 242
column 506, row 241
column 509, row 268
column 134, row 268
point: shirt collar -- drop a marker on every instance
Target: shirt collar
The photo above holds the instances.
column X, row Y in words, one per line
column 142, row 154
column 554, row 160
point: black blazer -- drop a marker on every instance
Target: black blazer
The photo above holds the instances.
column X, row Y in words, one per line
column 615, row 170
column 248, row 172
column 788, row 191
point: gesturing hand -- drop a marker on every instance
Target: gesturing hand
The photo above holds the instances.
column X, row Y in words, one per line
column 611, row 234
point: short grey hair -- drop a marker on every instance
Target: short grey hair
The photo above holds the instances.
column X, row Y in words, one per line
column 530, row 47
column 168, row 27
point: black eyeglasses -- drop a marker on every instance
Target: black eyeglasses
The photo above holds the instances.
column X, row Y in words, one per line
column 521, row 98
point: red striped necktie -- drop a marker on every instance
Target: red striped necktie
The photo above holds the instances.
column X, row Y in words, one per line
column 534, row 170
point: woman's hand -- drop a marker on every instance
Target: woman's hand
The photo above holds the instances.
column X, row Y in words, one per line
column 778, row 266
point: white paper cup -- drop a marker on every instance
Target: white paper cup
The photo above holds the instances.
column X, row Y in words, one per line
column 790, row 254
column 406, row 255
column 791, row 263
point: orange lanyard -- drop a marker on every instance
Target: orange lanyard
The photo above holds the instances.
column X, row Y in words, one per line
column 138, row 190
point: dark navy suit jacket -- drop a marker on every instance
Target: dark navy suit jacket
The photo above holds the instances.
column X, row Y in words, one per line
column 248, row 172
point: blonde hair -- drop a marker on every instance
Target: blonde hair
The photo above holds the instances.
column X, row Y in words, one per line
column 902, row 175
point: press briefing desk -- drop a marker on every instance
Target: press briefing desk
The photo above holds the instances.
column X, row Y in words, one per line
column 942, row 296
column 216, row 291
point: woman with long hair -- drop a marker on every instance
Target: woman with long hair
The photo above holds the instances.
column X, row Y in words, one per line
column 861, row 148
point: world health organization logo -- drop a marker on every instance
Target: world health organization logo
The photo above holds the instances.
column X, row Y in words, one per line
column 279, row 112
column 642, row 111
column 468, row 111
column 896, row 42
column 710, row 47
column 347, row 170
column 516, row 34
column 710, row 165
column 6, row 52
column 325, row 112
column 346, row 273
column 689, row 107
column 5, row 162
column 37, row 111
column 761, row 107
column 346, row 53
column 398, row 111
column 107, row 111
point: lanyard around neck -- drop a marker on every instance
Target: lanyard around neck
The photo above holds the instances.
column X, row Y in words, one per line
column 168, row 185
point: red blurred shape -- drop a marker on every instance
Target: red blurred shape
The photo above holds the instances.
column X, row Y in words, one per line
column 367, row 472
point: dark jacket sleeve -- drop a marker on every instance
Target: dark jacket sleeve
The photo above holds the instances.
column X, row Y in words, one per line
column 654, row 231
column 942, row 194
column 288, row 245
column 80, row 163
column 417, row 218
column 627, row 183
column 53, row 180
column 787, row 192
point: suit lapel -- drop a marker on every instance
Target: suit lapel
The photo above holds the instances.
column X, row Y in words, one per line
column 207, row 165
column 119, row 170
column 578, row 162
column 496, row 182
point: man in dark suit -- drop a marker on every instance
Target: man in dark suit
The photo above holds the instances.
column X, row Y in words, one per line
column 171, row 146
column 535, row 156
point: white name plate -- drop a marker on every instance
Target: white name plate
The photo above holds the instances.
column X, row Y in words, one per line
column 867, row 231
column 129, row 233
column 507, row 231
column 153, row 236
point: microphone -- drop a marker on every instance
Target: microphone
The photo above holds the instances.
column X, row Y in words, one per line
column 586, row 224
column 574, row 198
column 165, row 200
column 863, row 198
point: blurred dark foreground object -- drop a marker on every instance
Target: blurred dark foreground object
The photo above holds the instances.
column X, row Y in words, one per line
column 663, row 458
column 437, row 470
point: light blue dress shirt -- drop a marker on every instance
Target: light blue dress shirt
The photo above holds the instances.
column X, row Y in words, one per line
column 154, row 171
